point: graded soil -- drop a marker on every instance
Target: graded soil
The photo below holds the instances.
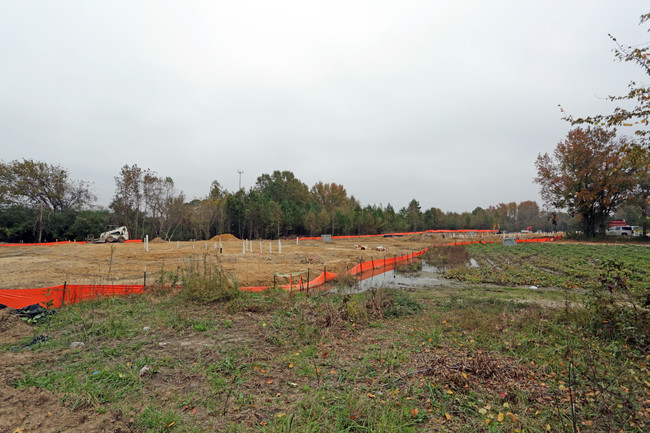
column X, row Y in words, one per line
column 81, row 263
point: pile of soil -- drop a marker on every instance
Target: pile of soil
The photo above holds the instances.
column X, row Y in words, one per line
column 12, row 327
column 157, row 241
column 225, row 237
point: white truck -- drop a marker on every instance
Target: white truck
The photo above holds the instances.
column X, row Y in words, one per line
column 620, row 231
column 112, row 234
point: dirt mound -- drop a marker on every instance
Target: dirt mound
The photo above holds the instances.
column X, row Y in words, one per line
column 158, row 241
column 12, row 327
column 225, row 237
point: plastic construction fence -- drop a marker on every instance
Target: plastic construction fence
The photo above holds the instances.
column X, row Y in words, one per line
column 44, row 244
column 56, row 296
column 317, row 238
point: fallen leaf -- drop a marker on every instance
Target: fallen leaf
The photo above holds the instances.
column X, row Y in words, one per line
column 447, row 416
column 270, row 381
column 371, row 395
column 482, row 411
column 500, row 417
column 414, row 412
column 290, row 365
column 512, row 416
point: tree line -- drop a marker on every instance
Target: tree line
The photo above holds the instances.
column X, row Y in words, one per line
column 39, row 202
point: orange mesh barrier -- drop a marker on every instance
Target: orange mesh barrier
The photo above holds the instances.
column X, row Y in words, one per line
column 71, row 293
column 64, row 294
column 317, row 238
column 132, row 241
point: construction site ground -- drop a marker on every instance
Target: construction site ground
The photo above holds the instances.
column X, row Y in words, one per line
column 81, row 263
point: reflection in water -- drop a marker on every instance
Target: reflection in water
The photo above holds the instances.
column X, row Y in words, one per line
column 388, row 278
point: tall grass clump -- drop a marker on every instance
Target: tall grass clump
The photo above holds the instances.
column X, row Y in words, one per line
column 447, row 257
column 616, row 312
column 409, row 267
column 345, row 280
column 205, row 282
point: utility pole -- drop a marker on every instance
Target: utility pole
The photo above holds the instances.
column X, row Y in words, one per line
column 240, row 173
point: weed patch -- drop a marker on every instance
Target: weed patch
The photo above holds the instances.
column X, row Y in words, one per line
column 206, row 283
column 444, row 257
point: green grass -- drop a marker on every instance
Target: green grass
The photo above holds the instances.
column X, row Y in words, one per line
column 559, row 265
column 489, row 358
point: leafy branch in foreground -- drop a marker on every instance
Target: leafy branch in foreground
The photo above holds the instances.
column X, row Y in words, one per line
column 638, row 94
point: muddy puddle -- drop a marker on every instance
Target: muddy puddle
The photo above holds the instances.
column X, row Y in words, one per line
column 380, row 278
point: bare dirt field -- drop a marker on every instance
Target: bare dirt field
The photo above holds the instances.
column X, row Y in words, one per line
column 80, row 263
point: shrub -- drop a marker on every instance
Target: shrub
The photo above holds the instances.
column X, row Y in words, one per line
column 615, row 312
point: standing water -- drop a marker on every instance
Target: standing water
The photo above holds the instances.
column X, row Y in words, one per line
column 388, row 278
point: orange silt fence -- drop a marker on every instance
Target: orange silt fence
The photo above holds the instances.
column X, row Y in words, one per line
column 317, row 238
column 46, row 244
column 57, row 296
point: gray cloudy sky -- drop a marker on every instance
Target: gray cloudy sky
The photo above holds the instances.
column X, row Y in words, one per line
column 448, row 102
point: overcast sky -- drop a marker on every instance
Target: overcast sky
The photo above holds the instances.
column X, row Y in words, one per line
column 448, row 102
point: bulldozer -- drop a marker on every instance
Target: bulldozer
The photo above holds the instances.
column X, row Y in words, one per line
column 112, row 234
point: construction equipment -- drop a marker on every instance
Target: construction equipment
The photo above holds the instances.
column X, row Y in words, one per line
column 112, row 234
